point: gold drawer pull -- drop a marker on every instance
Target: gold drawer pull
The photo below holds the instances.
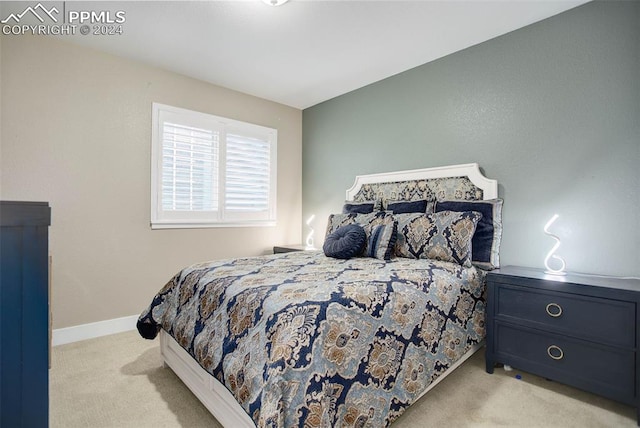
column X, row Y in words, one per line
column 557, row 310
column 555, row 348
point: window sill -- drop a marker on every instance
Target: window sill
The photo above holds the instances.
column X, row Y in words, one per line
column 197, row 225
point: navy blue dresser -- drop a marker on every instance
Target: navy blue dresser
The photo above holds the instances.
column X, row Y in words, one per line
column 24, row 314
column 575, row 329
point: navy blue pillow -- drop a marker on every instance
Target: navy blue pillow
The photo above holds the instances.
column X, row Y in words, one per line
column 346, row 242
column 357, row 207
column 405, row 207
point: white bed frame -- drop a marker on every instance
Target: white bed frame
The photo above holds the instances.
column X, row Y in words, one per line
column 216, row 397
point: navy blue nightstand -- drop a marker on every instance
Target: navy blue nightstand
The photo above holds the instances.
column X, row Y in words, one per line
column 290, row 248
column 580, row 330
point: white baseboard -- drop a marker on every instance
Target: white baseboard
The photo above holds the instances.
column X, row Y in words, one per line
column 76, row 333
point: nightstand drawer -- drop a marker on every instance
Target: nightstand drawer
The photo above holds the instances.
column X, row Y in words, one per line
column 603, row 320
column 611, row 371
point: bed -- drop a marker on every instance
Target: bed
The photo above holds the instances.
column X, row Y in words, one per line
column 302, row 339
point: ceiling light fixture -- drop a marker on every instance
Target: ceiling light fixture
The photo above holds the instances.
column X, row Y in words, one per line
column 275, row 2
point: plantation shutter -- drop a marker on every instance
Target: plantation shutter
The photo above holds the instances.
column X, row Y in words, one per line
column 247, row 174
column 189, row 168
column 210, row 171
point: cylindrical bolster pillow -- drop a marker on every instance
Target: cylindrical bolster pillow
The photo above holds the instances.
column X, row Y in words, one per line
column 346, row 242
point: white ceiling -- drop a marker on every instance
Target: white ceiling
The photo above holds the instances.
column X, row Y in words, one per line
column 305, row 51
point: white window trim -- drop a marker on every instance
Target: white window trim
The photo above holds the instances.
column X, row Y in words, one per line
column 161, row 219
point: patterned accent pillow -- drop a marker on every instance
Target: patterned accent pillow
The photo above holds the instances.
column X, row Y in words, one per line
column 486, row 240
column 382, row 241
column 404, row 207
column 442, row 236
column 367, row 221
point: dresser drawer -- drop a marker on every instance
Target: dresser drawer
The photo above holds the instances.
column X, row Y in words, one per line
column 597, row 319
column 610, row 371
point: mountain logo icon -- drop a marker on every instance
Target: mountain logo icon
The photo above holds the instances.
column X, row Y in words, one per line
column 38, row 11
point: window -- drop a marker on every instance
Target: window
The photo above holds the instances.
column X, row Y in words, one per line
column 208, row 171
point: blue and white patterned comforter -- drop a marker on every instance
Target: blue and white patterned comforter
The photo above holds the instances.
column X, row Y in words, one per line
column 304, row 340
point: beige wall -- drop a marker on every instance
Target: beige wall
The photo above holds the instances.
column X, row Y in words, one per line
column 76, row 131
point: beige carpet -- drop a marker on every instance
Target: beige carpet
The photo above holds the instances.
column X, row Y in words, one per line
column 119, row 381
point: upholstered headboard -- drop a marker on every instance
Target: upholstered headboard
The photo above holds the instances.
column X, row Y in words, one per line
column 461, row 188
column 464, row 182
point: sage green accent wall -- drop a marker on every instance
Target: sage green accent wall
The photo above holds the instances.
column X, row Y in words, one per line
column 552, row 111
